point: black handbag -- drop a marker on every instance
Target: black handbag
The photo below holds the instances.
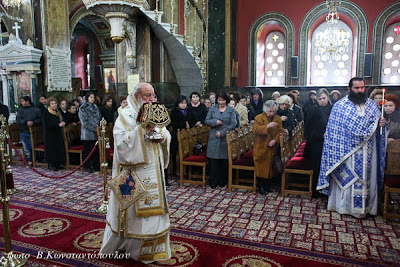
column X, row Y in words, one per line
column 278, row 164
column 197, row 149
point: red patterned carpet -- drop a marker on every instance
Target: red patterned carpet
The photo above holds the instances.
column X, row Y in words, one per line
column 53, row 235
column 293, row 225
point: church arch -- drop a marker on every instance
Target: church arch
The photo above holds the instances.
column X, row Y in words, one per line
column 275, row 20
column 355, row 14
column 380, row 27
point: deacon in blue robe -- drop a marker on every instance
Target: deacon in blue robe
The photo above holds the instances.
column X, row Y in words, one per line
column 353, row 157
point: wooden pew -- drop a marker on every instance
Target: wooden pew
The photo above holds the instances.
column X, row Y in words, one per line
column 238, row 141
column 16, row 139
column 392, row 177
column 187, row 138
column 72, row 135
column 37, row 143
column 294, row 162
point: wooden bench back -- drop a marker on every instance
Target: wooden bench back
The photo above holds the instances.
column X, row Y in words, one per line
column 232, row 139
column 14, row 133
column 37, row 135
column 393, row 158
column 72, row 133
column 185, row 141
column 247, row 138
column 290, row 144
column 241, row 141
column 286, row 151
column 203, row 135
column 188, row 138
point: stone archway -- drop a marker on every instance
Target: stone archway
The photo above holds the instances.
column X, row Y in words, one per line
column 287, row 24
column 358, row 17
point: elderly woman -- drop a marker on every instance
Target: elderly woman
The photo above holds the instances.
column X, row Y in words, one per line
column 90, row 117
column 53, row 124
column 392, row 116
column 376, row 95
column 286, row 114
column 335, row 96
column 267, row 128
column 221, row 118
column 275, row 95
column 315, row 138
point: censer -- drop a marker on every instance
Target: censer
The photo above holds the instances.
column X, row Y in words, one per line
column 153, row 114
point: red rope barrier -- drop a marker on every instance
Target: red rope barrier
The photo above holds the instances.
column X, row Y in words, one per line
column 45, row 175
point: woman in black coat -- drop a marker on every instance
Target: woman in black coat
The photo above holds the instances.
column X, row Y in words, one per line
column 315, row 140
column 257, row 100
column 53, row 125
column 181, row 118
column 286, row 114
column 107, row 110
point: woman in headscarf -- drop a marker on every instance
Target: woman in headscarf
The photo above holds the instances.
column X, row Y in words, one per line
column 377, row 95
column 53, row 125
column 267, row 129
column 392, row 116
column 286, row 114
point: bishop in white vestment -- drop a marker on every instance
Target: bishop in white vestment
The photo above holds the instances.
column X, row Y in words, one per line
column 138, row 215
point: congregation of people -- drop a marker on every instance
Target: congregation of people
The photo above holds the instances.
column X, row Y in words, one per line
column 271, row 116
column 54, row 115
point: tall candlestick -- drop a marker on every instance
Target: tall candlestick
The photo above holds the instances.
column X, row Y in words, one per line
column 383, row 103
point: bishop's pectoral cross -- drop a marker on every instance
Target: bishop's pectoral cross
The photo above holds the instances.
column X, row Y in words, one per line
column 16, row 28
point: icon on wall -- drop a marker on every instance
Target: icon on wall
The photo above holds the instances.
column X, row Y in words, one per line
column 109, row 79
column 24, row 84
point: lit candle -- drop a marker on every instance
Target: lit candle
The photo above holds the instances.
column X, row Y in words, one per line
column 383, row 103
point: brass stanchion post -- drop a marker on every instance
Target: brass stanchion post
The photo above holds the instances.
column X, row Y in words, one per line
column 103, row 140
column 8, row 258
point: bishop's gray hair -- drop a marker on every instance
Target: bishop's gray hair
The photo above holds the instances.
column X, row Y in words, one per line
column 269, row 104
column 137, row 88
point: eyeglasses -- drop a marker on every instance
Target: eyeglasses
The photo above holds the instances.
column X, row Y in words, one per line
column 148, row 95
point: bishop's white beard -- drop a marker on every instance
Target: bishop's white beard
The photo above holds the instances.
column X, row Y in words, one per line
column 140, row 102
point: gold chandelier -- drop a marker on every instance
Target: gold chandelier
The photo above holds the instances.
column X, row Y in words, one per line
column 332, row 42
column 12, row 3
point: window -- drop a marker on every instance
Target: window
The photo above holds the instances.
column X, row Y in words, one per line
column 391, row 55
column 338, row 70
column 275, row 59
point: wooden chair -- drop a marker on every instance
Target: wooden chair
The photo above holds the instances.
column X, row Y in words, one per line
column 72, row 135
column 109, row 151
column 392, row 177
column 16, row 139
column 236, row 150
column 186, row 140
column 37, row 140
column 295, row 164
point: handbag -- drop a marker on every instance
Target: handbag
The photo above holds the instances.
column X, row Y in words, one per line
column 197, row 148
column 278, row 164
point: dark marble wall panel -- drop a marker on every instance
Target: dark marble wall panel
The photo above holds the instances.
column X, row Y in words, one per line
column 216, row 44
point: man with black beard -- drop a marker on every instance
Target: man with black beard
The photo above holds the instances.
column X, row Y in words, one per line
column 353, row 157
